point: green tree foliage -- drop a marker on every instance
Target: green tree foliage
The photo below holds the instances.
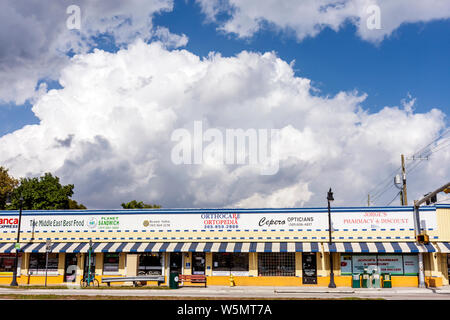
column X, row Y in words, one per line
column 74, row 205
column 139, row 205
column 43, row 193
column 7, row 185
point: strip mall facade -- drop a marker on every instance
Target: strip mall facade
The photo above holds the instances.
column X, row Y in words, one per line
column 274, row 247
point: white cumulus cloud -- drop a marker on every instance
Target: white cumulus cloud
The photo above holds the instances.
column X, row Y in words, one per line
column 108, row 131
column 35, row 39
column 307, row 18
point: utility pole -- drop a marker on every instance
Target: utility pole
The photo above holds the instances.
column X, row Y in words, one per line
column 404, row 197
column 368, row 200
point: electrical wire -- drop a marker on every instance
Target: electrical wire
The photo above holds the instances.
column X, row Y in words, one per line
column 393, row 199
column 425, row 151
column 420, row 151
column 383, row 192
column 386, row 182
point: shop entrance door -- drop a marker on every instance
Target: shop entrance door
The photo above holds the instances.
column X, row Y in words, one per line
column 86, row 264
column 309, row 267
column 70, row 267
column 448, row 265
column 198, row 263
column 176, row 261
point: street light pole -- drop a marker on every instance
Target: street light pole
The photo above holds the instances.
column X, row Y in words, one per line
column 16, row 259
column 47, row 250
column 330, row 198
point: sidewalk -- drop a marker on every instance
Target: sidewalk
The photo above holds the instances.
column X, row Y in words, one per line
column 238, row 292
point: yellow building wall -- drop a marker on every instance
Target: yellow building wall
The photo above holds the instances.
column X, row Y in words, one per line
column 132, row 265
column 443, row 265
column 209, row 263
column 443, row 222
column 253, row 264
column 98, row 264
column 298, row 264
column 188, row 263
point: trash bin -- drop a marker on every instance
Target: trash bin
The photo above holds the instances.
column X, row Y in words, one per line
column 356, row 280
column 173, row 280
column 387, row 282
column 365, row 280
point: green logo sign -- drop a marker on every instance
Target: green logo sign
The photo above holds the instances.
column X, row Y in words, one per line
column 108, row 223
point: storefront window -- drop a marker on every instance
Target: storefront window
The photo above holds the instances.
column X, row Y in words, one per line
column 7, row 261
column 396, row 264
column 276, row 264
column 151, row 264
column 37, row 263
column 224, row 263
column 346, row 264
column 410, row 264
column 111, row 263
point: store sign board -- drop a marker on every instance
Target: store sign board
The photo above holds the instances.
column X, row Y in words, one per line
column 390, row 264
column 381, row 220
column 363, row 261
column 221, row 221
column 172, row 222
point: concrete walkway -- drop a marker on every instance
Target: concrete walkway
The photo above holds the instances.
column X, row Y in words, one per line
column 246, row 292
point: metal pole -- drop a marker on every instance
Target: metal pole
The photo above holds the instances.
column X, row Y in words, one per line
column 89, row 263
column 46, row 266
column 331, row 284
column 16, row 259
column 47, row 250
column 417, row 230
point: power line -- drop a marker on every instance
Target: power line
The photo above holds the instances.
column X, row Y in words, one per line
column 441, row 146
column 393, row 199
column 383, row 192
column 420, row 151
column 386, row 185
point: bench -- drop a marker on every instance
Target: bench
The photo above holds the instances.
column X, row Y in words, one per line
column 135, row 280
column 195, row 278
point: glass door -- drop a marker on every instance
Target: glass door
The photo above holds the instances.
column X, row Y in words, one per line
column 70, row 267
column 309, row 268
column 198, row 263
column 448, row 264
column 176, row 262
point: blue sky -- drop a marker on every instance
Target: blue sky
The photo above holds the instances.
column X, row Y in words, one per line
column 414, row 60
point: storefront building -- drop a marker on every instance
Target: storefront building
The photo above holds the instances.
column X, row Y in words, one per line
column 274, row 247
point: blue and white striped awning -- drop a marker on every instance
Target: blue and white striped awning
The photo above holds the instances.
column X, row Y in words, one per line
column 378, row 247
column 136, row 247
column 444, row 247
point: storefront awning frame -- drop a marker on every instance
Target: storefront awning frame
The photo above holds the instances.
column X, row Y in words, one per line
column 444, row 247
column 378, row 247
column 142, row 247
